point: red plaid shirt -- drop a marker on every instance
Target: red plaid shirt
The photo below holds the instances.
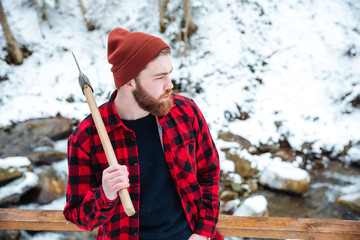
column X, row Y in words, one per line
column 190, row 154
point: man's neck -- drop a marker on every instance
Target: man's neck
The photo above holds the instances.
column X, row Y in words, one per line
column 126, row 106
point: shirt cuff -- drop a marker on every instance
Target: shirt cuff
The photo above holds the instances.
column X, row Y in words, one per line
column 103, row 201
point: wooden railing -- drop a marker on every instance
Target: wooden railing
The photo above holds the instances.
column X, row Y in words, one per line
column 256, row 227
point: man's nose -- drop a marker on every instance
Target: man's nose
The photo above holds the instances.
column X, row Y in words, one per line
column 169, row 84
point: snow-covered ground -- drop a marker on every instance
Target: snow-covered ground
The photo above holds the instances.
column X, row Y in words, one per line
column 296, row 48
column 295, row 63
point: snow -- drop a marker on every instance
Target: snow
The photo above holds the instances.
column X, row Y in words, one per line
column 354, row 197
column 302, row 42
column 57, row 204
column 252, row 206
column 283, row 170
column 232, row 204
column 354, row 154
column 14, row 162
column 235, row 178
column 19, row 186
column 281, row 61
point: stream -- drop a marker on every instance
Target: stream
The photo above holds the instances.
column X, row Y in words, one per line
column 319, row 201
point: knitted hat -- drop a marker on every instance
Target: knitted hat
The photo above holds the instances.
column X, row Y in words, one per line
column 130, row 52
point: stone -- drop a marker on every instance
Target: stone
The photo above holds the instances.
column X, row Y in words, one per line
column 230, row 137
column 351, row 200
column 20, row 139
column 10, row 234
column 229, row 206
column 235, row 182
column 12, row 192
column 253, row 206
column 353, row 155
column 13, row 167
column 286, row 177
column 52, row 186
column 242, row 166
column 228, row 195
column 47, row 157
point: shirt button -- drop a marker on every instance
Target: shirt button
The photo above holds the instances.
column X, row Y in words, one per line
column 132, row 139
column 135, row 164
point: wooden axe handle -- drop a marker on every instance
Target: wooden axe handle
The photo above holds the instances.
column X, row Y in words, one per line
column 109, row 151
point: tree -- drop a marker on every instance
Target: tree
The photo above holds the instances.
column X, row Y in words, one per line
column 89, row 23
column 162, row 9
column 188, row 26
column 14, row 51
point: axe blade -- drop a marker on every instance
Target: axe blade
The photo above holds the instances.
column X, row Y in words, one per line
column 82, row 78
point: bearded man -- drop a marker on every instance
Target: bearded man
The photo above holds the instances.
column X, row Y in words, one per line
column 166, row 156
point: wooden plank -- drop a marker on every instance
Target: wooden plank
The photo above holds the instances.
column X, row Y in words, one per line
column 37, row 220
column 291, row 228
column 256, row 227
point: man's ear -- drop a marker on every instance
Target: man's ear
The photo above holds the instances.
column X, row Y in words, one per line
column 131, row 85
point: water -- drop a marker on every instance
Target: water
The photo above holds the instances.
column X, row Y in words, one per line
column 319, row 201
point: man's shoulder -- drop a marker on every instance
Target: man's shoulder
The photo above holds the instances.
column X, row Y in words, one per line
column 182, row 101
column 85, row 128
column 184, row 105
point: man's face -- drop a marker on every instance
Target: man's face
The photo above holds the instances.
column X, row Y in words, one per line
column 154, row 86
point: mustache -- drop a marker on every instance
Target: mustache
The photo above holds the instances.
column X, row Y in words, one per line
column 166, row 93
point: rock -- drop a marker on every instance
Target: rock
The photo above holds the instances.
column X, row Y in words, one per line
column 229, row 206
column 285, row 176
column 51, row 184
column 253, row 206
column 352, row 200
column 228, row 195
column 235, row 182
column 12, row 192
column 242, row 166
column 253, row 185
column 353, row 155
column 47, row 157
column 10, row 234
column 13, row 167
column 230, row 137
column 44, row 144
column 272, row 148
column 22, row 138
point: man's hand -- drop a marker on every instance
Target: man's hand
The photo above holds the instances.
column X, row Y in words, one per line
column 114, row 179
column 197, row 237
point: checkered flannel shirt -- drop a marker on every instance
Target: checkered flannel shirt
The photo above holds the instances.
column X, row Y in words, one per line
column 190, row 154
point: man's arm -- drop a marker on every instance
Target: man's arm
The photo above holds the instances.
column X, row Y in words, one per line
column 208, row 177
column 87, row 206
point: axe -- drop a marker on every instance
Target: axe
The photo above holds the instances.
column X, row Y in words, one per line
column 104, row 137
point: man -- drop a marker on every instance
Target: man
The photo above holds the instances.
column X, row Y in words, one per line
column 167, row 158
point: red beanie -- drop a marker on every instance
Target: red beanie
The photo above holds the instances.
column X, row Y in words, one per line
column 130, row 52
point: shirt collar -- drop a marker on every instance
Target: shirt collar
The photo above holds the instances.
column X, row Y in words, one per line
column 110, row 116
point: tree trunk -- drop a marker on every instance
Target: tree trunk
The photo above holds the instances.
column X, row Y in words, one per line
column 188, row 26
column 162, row 9
column 89, row 23
column 14, row 51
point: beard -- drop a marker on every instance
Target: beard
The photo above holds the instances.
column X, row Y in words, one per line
column 157, row 107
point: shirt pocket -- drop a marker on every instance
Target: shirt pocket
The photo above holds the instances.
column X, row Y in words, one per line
column 185, row 169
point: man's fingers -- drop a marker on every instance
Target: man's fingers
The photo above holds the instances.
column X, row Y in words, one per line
column 114, row 179
column 115, row 168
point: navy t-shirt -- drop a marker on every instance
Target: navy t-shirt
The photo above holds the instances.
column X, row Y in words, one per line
column 161, row 215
